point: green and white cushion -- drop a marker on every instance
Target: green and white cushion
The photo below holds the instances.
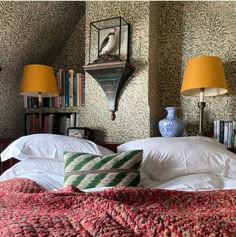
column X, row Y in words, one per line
column 84, row 170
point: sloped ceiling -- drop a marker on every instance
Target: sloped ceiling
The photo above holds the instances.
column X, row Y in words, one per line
column 30, row 32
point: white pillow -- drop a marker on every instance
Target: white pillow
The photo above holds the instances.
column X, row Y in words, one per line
column 48, row 173
column 169, row 157
column 51, row 146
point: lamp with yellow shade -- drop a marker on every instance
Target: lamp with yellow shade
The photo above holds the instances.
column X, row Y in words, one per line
column 38, row 81
column 204, row 76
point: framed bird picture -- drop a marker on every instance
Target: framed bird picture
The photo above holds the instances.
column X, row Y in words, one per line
column 109, row 40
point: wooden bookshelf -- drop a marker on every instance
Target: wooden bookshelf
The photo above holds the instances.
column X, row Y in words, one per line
column 54, row 123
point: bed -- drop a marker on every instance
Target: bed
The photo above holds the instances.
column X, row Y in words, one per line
column 65, row 186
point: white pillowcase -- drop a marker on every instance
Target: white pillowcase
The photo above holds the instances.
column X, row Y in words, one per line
column 51, row 146
column 169, row 157
column 48, row 173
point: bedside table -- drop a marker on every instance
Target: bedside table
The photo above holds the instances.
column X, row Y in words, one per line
column 109, row 145
column 4, row 142
column 233, row 149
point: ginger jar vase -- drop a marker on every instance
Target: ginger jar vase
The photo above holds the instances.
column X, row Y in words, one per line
column 171, row 126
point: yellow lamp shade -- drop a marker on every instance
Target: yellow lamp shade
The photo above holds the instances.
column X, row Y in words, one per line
column 204, row 72
column 38, row 79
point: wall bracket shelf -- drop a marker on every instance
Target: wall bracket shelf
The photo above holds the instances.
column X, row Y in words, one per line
column 111, row 77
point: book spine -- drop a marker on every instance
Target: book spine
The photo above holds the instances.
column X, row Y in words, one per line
column 50, row 123
column 67, row 125
column 230, row 134
column 218, row 130
column 70, row 78
column 72, row 120
column 28, row 121
column 215, row 129
column 78, row 77
column 74, row 89
column 66, row 89
column 226, row 131
column 83, row 89
column 61, row 88
column 25, row 101
column 234, row 133
column 45, row 124
column 222, row 131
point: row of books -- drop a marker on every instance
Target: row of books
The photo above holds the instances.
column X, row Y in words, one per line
column 71, row 86
column 225, row 132
column 55, row 123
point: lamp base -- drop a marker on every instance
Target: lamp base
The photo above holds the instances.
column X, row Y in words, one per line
column 201, row 106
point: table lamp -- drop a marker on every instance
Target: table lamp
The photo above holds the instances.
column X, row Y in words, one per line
column 38, row 81
column 204, row 76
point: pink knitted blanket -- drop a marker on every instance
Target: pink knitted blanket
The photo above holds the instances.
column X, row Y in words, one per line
column 26, row 209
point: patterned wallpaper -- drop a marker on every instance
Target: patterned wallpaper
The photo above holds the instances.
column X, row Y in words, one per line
column 133, row 115
column 153, row 67
column 164, row 35
column 189, row 29
column 31, row 32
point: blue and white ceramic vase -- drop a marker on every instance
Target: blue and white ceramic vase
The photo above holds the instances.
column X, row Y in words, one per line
column 171, row 126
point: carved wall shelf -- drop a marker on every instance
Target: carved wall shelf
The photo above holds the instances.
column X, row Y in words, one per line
column 111, row 77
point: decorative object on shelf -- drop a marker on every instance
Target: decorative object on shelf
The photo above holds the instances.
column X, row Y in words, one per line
column 109, row 40
column 171, row 126
column 204, row 76
column 109, row 57
column 38, row 81
column 80, row 132
column 111, row 77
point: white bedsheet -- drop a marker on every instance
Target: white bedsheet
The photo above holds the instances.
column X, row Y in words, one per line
column 49, row 181
column 194, row 182
column 49, row 174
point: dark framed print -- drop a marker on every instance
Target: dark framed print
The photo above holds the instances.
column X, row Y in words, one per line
column 80, row 132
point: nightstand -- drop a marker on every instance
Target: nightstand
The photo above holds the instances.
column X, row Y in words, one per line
column 109, row 145
column 4, row 142
column 232, row 149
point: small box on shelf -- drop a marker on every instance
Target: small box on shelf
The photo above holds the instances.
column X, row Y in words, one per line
column 80, row 132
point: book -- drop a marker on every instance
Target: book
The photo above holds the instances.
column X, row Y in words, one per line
column 66, row 89
column 45, row 124
column 72, row 120
column 224, row 132
column 83, row 89
column 71, row 86
column 75, row 89
column 78, row 77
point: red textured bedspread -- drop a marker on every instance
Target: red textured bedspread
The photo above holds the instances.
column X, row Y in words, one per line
column 26, row 209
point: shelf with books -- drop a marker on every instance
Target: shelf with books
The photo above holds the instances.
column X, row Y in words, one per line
column 225, row 132
column 55, row 123
column 71, row 86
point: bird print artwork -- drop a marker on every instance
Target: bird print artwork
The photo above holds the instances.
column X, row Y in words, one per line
column 109, row 42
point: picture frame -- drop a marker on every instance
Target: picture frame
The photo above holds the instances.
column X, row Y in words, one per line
column 80, row 132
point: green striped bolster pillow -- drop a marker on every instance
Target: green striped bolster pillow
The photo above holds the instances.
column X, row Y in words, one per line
column 84, row 170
